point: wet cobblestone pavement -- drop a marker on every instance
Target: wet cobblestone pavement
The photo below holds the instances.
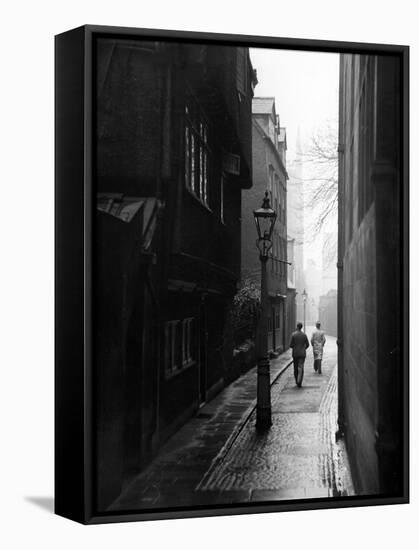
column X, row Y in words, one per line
column 298, row 457
column 218, row 457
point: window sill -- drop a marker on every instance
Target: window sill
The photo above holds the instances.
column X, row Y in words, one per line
column 177, row 372
column 198, row 200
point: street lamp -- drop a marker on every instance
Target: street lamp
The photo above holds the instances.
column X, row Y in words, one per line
column 265, row 219
column 304, row 304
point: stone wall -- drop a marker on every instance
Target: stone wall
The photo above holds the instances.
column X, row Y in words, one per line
column 360, row 353
column 371, row 373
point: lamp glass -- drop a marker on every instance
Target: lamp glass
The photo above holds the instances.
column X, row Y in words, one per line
column 265, row 219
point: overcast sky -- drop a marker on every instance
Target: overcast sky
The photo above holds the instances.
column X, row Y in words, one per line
column 305, row 86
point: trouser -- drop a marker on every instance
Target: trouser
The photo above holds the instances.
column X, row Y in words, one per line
column 318, row 365
column 298, row 369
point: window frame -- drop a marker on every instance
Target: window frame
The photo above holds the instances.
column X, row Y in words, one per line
column 242, row 68
column 171, row 336
column 197, row 153
column 180, row 346
column 187, row 341
column 222, row 204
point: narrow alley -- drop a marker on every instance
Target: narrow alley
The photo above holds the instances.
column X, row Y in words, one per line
column 235, row 204
column 218, row 457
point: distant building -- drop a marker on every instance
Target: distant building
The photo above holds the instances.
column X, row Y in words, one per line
column 295, row 223
column 313, row 278
column 291, row 316
column 369, row 272
column 328, row 312
column 174, row 141
column 329, row 259
column 269, row 173
column 328, row 300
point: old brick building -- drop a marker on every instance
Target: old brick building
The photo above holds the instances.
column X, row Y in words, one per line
column 291, row 312
column 369, row 271
column 269, row 173
column 173, row 153
column 295, row 224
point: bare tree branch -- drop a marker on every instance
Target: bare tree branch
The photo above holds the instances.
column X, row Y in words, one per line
column 320, row 162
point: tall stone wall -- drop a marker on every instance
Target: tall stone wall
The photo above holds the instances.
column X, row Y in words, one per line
column 360, row 353
column 371, row 369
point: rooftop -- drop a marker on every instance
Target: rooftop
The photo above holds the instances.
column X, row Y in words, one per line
column 282, row 136
column 263, row 106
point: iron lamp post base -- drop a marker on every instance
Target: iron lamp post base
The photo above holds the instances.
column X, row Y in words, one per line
column 263, row 407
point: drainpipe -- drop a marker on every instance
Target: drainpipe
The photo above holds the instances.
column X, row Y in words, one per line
column 339, row 265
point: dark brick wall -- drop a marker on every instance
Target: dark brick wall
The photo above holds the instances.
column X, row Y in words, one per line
column 141, row 91
column 120, row 305
column 252, row 199
column 128, row 118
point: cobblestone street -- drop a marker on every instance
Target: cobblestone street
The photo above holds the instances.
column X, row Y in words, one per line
column 298, row 457
column 218, row 458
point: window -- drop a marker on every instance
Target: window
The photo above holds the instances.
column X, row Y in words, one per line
column 222, row 199
column 279, row 264
column 197, row 153
column 284, row 257
column 273, row 252
column 171, row 339
column 241, row 70
column 271, row 182
column 187, row 341
column 283, row 201
column 179, row 344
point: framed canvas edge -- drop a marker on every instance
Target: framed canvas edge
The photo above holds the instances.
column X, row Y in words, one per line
column 322, row 45
column 405, row 263
column 300, row 505
column 88, row 515
column 70, row 363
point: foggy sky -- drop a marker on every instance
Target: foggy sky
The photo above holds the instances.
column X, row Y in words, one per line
column 305, row 86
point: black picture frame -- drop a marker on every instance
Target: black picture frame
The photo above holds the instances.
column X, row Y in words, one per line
column 74, row 227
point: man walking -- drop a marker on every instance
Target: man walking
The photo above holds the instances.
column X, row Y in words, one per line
column 318, row 341
column 299, row 343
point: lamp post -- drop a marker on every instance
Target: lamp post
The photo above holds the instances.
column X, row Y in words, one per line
column 265, row 219
column 304, row 305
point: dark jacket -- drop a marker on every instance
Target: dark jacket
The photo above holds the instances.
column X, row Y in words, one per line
column 299, row 343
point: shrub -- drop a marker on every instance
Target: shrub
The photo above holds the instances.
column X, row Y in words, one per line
column 244, row 312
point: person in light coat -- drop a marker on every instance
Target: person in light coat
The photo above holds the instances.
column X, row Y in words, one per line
column 318, row 341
